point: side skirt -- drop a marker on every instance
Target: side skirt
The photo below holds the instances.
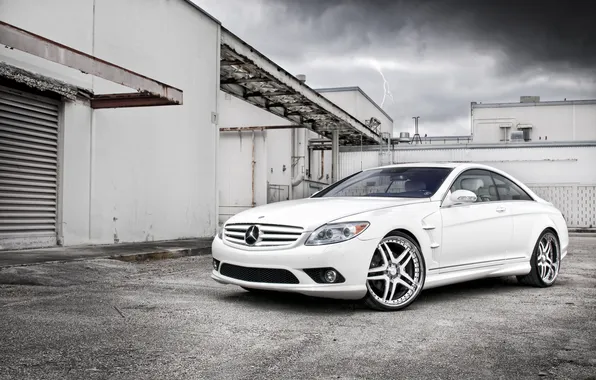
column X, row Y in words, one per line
column 462, row 274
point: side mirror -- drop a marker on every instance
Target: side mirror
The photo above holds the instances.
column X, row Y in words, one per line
column 459, row 197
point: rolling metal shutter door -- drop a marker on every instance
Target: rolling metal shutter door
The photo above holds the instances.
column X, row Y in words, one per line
column 28, row 170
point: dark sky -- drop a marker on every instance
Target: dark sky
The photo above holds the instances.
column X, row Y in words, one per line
column 436, row 55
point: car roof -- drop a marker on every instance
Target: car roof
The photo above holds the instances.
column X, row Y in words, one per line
column 450, row 165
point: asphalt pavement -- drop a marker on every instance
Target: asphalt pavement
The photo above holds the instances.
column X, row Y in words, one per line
column 166, row 319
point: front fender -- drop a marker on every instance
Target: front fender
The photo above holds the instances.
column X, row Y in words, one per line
column 412, row 218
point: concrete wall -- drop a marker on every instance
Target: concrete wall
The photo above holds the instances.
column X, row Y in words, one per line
column 140, row 173
column 551, row 123
column 236, row 172
column 272, row 152
column 274, row 169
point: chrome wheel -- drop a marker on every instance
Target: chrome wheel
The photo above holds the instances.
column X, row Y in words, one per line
column 547, row 258
column 396, row 273
column 545, row 262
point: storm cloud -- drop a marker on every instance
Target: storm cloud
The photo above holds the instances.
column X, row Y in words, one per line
column 437, row 56
column 544, row 33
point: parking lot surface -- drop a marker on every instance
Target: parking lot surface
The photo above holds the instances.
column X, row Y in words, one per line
column 167, row 319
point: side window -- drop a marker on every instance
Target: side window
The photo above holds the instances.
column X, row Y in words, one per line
column 508, row 190
column 477, row 181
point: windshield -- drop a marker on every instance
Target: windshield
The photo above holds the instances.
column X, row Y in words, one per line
column 403, row 182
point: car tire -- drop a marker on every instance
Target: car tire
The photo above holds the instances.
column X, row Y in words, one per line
column 545, row 262
column 396, row 273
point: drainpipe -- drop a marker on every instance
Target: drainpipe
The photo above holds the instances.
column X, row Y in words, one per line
column 295, row 181
column 335, row 156
column 309, row 157
column 253, row 169
column 322, row 164
column 291, row 188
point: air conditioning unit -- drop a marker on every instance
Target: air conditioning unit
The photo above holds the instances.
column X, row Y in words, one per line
column 517, row 136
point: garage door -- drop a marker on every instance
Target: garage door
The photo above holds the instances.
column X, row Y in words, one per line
column 28, row 170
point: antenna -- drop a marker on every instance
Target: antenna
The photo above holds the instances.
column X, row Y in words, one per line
column 416, row 137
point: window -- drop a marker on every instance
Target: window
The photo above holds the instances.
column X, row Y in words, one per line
column 477, row 181
column 507, row 190
column 399, row 182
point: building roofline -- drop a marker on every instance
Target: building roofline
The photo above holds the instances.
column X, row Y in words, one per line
column 545, row 103
column 464, row 146
column 195, row 6
column 348, row 125
column 354, row 88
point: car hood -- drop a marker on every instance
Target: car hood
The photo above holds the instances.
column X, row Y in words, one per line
column 311, row 213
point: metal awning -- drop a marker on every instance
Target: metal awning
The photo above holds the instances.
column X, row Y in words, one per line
column 249, row 75
column 148, row 91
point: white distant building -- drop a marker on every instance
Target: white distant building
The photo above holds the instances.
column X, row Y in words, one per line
column 531, row 120
column 550, row 146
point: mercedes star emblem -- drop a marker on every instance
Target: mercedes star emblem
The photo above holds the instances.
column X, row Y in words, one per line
column 252, row 235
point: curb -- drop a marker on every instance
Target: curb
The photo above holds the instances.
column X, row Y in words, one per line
column 162, row 255
column 131, row 255
column 582, row 234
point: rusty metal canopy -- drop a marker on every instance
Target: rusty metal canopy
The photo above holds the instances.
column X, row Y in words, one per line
column 149, row 92
column 249, row 75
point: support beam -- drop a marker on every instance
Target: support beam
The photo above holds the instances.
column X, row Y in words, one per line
column 335, row 156
column 263, row 94
column 42, row 47
column 127, row 100
column 231, row 63
column 260, row 128
column 293, row 104
column 244, row 80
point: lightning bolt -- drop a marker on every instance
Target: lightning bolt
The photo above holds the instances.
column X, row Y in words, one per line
column 386, row 90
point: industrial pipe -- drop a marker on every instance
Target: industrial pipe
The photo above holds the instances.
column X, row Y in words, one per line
column 297, row 181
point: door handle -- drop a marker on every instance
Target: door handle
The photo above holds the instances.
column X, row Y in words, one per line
column 501, row 209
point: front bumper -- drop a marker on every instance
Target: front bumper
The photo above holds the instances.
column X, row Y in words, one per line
column 351, row 259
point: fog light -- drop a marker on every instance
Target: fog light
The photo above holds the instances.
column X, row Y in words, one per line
column 330, row 275
column 215, row 264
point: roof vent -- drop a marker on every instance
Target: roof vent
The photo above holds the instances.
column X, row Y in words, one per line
column 301, row 78
column 529, row 99
column 404, row 137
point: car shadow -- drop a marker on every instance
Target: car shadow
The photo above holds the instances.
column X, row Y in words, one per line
column 294, row 302
column 498, row 285
column 298, row 303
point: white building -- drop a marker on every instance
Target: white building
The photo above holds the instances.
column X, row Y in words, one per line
column 533, row 120
column 71, row 174
column 555, row 156
column 289, row 162
column 109, row 115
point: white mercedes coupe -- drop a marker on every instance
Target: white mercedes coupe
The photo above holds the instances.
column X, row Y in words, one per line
column 384, row 234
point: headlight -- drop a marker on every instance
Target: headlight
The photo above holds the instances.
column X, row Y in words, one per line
column 220, row 232
column 336, row 233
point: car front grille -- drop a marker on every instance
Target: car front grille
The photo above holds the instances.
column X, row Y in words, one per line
column 270, row 235
column 268, row 275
